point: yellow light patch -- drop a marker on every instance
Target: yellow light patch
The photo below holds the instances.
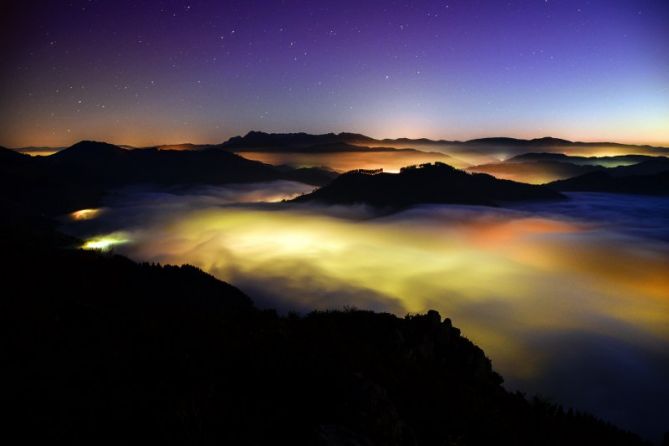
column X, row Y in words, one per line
column 104, row 243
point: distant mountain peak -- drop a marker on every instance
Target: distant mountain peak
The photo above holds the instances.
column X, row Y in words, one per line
column 425, row 183
column 290, row 141
column 89, row 149
column 546, row 140
column 90, row 144
column 550, row 140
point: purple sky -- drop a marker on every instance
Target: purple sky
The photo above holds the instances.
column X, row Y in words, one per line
column 147, row 72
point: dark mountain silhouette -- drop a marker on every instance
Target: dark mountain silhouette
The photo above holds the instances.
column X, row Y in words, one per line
column 647, row 167
column 549, row 141
column 427, row 183
column 95, row 152
column 541, row 167
column 650, row 177
column 210, row 166
column 346, row 147
column 114, row 165
column 580, row 160
column 534, row 171
column 292, row 142
column 11, row 155
column 98, row 349
column 79, row 176
column 304, row 142
column 255, row 139
column 653, row 184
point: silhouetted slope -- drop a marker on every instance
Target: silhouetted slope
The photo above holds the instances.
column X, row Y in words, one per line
column 115, row 166
column 580, row 160
column 650, row 166
column 85, row 152
column 545, row 141
column 308, row 143
column 428, row 183
column 304, row 142
column 650, row 176
column 81, row 175
column 292, row 141
column 99, row 349
column 549, row 144
column 655, row 184
column 534, row 171
column 546, row 167
column 8, row 155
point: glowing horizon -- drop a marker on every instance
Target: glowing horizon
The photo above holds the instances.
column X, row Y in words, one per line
column 29, row 148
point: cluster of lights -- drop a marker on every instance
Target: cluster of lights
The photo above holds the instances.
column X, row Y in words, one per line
column 104, row 243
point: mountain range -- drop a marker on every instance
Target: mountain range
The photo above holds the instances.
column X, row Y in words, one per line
column 427, row 183
column 79, row 176
column 255, row 140
column 346, row 141
column 541, row 168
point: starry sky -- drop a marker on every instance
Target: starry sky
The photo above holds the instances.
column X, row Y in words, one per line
column 154, row 72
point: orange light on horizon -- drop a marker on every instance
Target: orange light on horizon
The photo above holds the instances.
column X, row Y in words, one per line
column 85, row 214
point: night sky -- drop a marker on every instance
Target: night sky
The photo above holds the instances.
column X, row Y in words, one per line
column 150, row 72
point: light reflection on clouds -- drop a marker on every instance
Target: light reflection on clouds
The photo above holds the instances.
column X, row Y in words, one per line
column 517, row 281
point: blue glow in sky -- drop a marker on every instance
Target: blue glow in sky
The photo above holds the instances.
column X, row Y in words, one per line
column 150, row 72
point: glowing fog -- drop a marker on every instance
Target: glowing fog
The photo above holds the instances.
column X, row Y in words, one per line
column 562, row 298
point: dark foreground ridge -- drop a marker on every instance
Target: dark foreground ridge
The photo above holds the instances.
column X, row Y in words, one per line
column 101, row 350
column 427, row 183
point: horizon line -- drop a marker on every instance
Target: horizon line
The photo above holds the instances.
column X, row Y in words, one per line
column 664, row 145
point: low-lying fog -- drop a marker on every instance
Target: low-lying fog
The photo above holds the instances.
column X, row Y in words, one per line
column 570, row 300
column 346, row 161
column 457, row 155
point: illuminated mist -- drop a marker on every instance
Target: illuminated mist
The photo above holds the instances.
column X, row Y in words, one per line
column 545, row 294
column 347, row 161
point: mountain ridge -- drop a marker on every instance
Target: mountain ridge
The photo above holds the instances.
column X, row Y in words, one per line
column 603, row 181
column 427, row 183
column 102, row 349
column 303, row 138
column 352, row 137
column 79, row 176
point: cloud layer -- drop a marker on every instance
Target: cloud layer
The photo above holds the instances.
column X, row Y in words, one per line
column 570, row 300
